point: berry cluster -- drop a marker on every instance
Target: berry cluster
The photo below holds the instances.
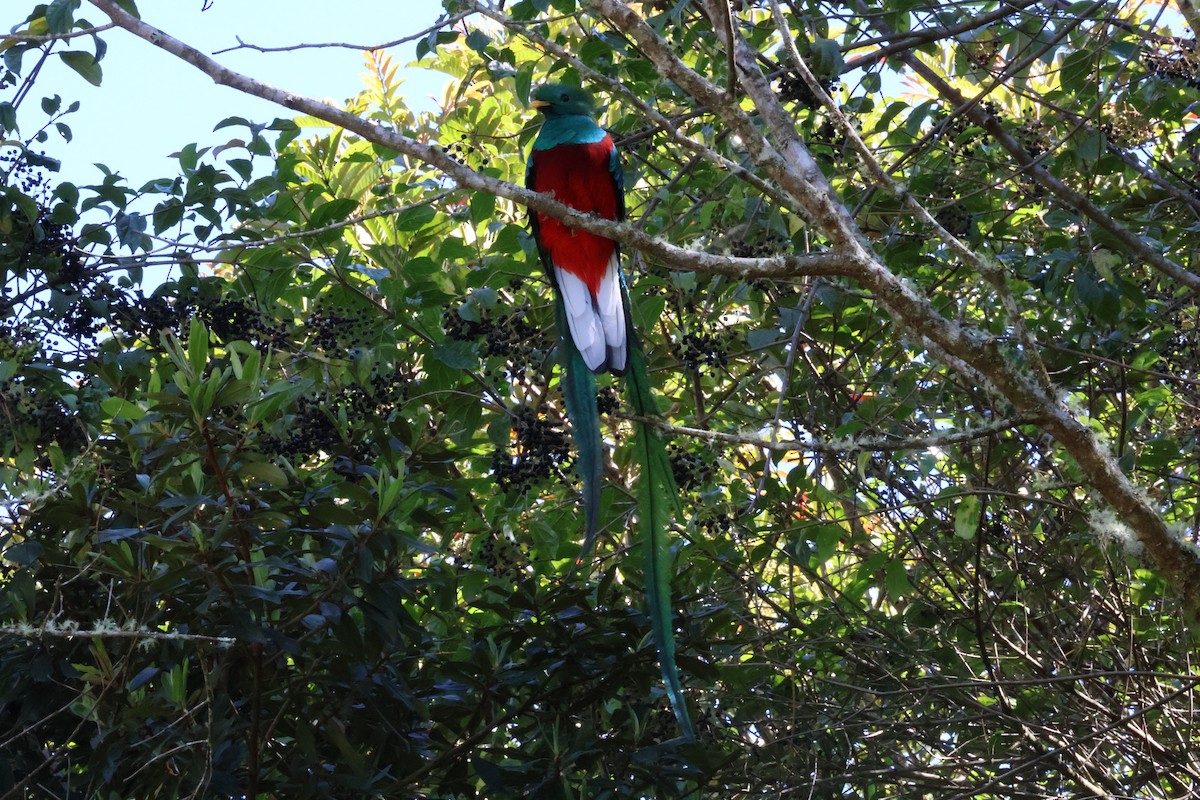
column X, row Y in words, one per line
column 514, row 338
column 28, row 180
column 703, row 349
column 1181, row 63
column 90, row 308
column 608, row 400
column 982, row 55
column 339, row 328
column 1179, row 352
column 510, row 334
column 794, row 89
column 502, row 556
column 691, row 470
column 714, row 522
column 1127, row 126
column 962, row 143
column 1034, row 136
column 511, row 337
column 44, row 246
column 779, row 292
column 539, row 451
column 955, row 218
column 38, row 418
column 832, row 137
column 142, row 317
column 56, row 253
column 770, row 244
column 312, row 429
column 17, row 341
column 232, row 318
column 464, row 149
column 459, row 328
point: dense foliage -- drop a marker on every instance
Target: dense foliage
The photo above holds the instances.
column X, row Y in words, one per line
column 288, row 507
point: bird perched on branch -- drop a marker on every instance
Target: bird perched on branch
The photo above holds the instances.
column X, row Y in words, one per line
column 575, row 161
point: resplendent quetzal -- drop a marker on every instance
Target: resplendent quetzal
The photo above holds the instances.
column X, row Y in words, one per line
column 575, row 161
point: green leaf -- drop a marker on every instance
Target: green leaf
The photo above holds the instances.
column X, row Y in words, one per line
column 1090, row 145
column 966, row 517
column 168, row 214
column 456, row 354
column 83, row 63
column 131, row 230
column 27, row 205
column 60, row 15
column 8, row 117
column 415, row 218
column 12, row 59
column 24, row 554
column 1076, row 73
column 896, row 581
column 264, row 472
column 826, row 58
column 334, row 211
column 479, row 41
column 483, row 207
column 763, row 337
column 119, row 408
column 197, row 346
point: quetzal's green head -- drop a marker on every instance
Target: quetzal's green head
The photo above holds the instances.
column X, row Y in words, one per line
column 558, row 100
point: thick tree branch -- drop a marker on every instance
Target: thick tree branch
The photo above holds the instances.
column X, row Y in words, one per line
column 913, row 312
column 783, row 155
column 793, row 170
column 824, row 263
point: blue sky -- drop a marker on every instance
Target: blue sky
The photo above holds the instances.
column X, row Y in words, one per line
column 151, row 104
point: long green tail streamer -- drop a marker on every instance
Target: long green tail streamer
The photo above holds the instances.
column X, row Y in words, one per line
column 658, row 497
column 579, row 392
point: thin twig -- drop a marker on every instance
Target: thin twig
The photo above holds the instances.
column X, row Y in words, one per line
column 442, row 23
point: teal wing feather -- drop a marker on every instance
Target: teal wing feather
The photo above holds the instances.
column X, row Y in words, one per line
column 658, row 498
column 579, row 391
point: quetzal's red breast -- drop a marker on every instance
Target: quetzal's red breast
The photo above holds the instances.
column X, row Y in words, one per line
column 580, row 176
column 575, row 161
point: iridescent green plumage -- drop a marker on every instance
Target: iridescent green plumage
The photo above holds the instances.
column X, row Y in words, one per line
column 575, row 160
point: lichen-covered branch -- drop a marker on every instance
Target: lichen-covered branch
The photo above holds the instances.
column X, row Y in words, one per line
column 822, row 263
column 952, row 342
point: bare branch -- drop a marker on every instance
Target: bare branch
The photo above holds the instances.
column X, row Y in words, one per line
column 848, row 445
column 675, row 257
column 13, row 38
column 914, row 40
column 954, row 344
column 69, row 632
column 437, row 26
